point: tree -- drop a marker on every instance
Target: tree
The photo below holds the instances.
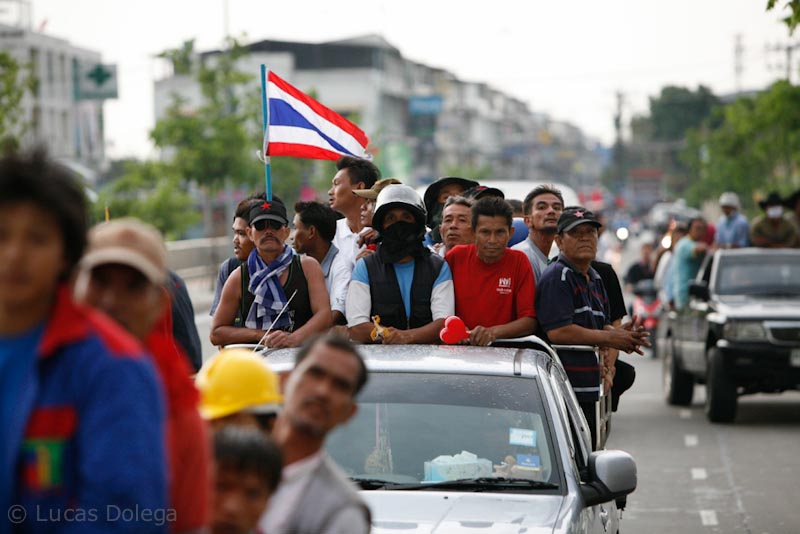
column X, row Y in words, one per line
column 150, row 191
column 793, row 19
column 677, row 109
column 182, row 58
column 14, row 83
column 215, row 144
column 751, row 145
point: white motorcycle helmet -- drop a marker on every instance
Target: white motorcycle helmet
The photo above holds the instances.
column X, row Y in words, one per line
column 398, row 196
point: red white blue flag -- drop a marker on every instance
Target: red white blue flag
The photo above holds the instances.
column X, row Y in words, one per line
column 301, row 127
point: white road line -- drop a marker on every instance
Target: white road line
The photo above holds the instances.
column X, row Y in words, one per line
column 685, row 414
column 690, row 440
column 699, row 473
column 709, row 518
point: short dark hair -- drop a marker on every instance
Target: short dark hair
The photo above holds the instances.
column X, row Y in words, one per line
column 458, row 199
column 359, row 170
column 335, row 342
column 543, row 189
column 243, row 208
column 694, row 220
column 492, row 207
column 248, row 450
column 320, row 216
column 33, row 177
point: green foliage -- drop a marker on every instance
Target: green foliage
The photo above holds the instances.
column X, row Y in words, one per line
column 150, row 191
column 182, row 58
column 791, row 20
column 751, row 146
column 14, row 83
column 678, row 109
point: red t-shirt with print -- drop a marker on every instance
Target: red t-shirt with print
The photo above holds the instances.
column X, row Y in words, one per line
column 491, row 294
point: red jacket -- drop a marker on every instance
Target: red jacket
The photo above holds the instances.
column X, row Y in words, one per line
column 188, row 450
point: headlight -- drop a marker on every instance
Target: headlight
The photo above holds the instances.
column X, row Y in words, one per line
column 744, row 330
column 622, row 233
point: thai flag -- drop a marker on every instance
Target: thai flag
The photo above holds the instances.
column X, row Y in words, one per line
column 301, row 127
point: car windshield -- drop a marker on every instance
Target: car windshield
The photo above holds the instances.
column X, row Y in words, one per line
column 412, row 429
column 777, row 275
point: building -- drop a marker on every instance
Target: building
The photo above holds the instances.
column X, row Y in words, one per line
column 422, row 121
column 71, row 129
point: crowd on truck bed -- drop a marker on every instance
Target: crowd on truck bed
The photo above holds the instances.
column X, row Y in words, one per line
column 98, row 405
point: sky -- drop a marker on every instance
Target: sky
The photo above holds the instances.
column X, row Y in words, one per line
column 564, row 58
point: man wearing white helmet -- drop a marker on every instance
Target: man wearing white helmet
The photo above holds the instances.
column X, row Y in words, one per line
column 732, row 227
column 410, row 289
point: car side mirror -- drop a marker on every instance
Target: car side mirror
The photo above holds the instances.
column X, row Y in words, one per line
column 699, row 289
column 612, row 474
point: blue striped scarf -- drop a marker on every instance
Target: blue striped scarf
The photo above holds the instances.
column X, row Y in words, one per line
column 265, row 284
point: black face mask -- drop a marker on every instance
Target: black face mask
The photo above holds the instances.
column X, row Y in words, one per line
column 400, row 240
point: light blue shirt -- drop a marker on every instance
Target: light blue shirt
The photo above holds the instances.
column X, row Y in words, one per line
column 733, row 230
column 685, row 265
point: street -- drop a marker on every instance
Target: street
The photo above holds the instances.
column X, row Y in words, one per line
column 694, row 476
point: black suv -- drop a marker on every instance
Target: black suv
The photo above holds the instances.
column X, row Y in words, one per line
column 739, row 333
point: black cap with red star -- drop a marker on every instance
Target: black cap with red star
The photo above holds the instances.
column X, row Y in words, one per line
column 273, row 210
column 575, row 215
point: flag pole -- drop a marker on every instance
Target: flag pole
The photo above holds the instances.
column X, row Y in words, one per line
column 265, row 113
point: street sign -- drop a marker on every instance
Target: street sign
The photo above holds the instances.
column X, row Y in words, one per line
column 95, row 81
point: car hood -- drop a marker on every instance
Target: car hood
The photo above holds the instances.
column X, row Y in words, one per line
column 400, row 512
column 759, row 307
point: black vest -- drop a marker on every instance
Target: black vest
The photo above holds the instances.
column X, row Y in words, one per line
column 299, row 311
column 385, row 291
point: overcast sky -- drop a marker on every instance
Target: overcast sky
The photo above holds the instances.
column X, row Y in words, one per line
column 565, row 58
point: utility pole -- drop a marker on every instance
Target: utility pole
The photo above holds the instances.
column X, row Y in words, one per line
column 787, row 49
column 619, row 151
column 738, row 65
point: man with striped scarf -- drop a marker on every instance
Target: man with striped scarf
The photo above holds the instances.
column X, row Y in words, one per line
column 289, row 299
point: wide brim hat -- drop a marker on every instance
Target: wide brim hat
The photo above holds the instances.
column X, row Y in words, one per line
column 773, row 199
column 432, row 192
column 791, row 201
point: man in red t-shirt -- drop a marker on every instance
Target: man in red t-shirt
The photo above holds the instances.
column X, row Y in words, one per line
column 494, row 288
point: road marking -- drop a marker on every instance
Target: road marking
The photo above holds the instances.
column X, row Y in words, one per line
column 699, row 473
column 709, row 518
column 685, row 414
column 690, row 440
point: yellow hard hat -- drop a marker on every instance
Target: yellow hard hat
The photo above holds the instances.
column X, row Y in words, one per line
column 237, row 380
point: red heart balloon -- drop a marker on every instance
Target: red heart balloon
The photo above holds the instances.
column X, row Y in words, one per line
column 454, row 330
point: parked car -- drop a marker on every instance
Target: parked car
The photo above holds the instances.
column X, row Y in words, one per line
column 740, row 333
column 488, row 439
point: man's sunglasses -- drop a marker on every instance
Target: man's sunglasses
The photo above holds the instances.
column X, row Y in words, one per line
column 262, row 225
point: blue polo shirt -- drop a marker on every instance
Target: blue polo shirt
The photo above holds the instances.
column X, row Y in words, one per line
column 564, row 296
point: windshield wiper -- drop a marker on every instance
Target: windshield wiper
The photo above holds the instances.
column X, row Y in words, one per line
column 369, row 483
column 477, row 484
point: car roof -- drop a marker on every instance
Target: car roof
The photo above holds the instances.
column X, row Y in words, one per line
column 757, row 251
column 438, row 359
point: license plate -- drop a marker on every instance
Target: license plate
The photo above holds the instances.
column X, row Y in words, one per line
column 794, row 358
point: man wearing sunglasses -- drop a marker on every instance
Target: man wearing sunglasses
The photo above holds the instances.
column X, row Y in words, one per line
column 286, row 292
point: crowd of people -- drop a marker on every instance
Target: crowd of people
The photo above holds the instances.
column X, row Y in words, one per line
column 100, row 413
column 674, row 263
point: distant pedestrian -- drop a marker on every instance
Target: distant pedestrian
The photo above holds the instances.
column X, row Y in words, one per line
column 772, row 230
column 352, row 174
column 320, row 394
column 732, row 228
column 184, row 327
column 688, row 256
column 81, row 406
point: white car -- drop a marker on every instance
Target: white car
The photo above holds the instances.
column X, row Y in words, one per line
column 475, row 439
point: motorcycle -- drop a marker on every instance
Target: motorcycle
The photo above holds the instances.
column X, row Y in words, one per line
column 647, row 306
